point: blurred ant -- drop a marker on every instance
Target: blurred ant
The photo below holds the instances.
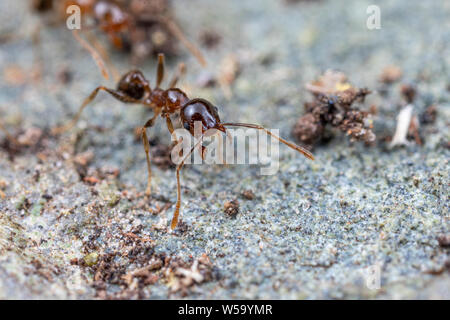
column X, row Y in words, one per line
column 133, row 87
column 116, row 21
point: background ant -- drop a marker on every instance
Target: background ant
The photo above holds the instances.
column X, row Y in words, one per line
column 133, row 87
column 143, row 27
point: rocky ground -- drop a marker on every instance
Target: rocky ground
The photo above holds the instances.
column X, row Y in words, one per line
column 74, row 219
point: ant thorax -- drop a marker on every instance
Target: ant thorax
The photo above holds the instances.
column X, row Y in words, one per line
column 174, row 99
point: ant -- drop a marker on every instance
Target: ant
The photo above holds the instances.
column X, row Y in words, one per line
column 117, row 21
column 133, row 87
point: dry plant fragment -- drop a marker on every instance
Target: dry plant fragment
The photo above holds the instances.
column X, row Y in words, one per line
column 182, row 276
column 403, row 123
column 407, row 126
column 333, row 103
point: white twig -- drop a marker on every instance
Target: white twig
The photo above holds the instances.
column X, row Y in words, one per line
column 403, row 122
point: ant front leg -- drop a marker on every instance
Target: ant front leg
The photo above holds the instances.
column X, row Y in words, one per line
column 176, row 214
column 146, row 144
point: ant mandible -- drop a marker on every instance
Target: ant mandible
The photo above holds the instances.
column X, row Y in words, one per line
column 133, row 87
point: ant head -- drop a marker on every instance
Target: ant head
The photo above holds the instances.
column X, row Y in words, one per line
column 134, row 84
column 203, row 111
column 110, row 13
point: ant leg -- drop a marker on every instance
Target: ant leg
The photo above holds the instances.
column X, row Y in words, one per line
column 102, row 52
column 177, row 75
column 300, row 149
column 176, row 31
column 95, row 55
column 178, row 204
column 160, row 70
column 116, row 94
column 169, row 124
column 146, row 144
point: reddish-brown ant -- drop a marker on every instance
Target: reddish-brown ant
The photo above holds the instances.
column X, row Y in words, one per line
column 135, row 88
column 132, row 24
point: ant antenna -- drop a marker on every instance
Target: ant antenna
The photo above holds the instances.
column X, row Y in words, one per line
column 300, row 149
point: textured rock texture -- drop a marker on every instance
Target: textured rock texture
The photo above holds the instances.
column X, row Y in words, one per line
column 74, row 220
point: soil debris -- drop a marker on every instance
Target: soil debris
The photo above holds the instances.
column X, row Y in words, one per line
column 210, row 39
column 183, row 275
column 231, row 208
column 248, row 194
column 429, row 115
column 444, row 240
column 128, row 269
column 408, row 92
column 333, row 104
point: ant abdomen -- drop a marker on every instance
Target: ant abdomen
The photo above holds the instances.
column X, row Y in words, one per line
column 203, row 111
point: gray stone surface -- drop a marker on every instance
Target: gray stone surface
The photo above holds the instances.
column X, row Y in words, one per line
column 312, row 230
